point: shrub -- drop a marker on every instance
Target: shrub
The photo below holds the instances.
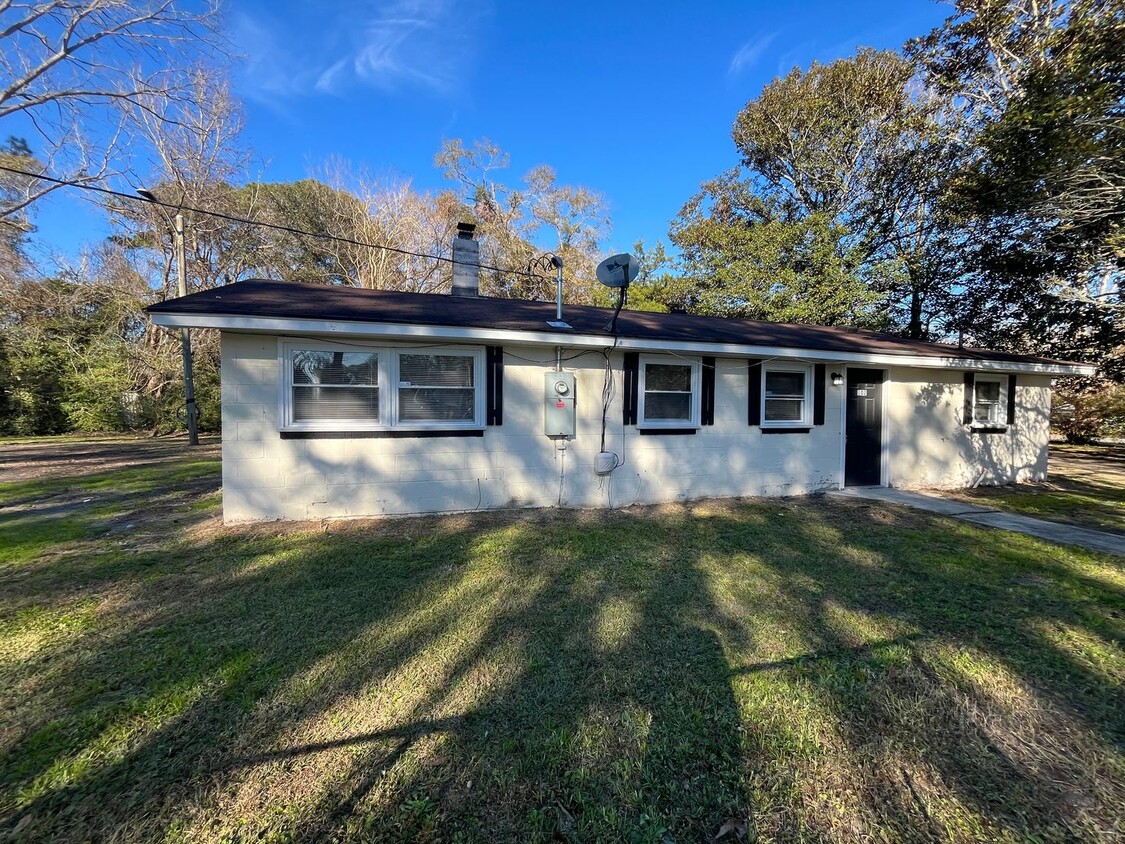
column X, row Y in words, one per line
column 1085, row 412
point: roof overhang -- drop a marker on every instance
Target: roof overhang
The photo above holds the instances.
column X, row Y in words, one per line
column 458, row 334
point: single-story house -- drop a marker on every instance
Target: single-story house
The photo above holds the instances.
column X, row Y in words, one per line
column 341, row 402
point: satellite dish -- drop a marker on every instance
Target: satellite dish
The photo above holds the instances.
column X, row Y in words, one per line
column 618, row 271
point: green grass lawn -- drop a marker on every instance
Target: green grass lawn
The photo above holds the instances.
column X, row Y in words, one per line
column 1086, row 487
column 773, row 670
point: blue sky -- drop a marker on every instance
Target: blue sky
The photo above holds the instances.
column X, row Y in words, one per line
column 634, row 100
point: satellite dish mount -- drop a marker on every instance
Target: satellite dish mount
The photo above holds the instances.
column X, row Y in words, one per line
column 616, row 273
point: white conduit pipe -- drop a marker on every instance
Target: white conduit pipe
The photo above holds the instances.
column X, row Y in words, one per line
column 980, row 478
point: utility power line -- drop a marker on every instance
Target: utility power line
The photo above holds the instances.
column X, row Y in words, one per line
column 262, row 223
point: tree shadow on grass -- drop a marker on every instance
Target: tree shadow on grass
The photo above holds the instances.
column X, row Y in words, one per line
column 607, row 714
column 514, row 651
column 775, row 670
column 927, row 735
column 143, row 709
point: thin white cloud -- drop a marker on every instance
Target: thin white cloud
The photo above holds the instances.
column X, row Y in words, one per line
column 260, row 70
column 332, row 78
column 748, row 54
column 407, row 44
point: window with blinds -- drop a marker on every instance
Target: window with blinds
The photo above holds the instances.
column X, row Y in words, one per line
column 669, row 393
column 335, row 385
column 341, row 387
column 436, row 388
column 785, row 398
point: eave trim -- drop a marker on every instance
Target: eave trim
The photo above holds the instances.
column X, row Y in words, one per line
column 347, row 328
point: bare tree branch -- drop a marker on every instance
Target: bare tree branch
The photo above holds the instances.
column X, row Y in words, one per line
column 81, row 72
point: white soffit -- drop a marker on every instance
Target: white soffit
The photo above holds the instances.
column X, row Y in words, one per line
column 391, row 331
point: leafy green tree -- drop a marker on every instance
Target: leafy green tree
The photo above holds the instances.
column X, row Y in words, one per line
column 310, row 206
column 1039, row 90
column 15, row 226
column 656, row 287
column 31, row 388
column 831, row 217
column 64, row 359
column 759, row 265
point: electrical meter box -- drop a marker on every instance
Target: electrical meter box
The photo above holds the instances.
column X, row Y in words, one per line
column 558, row 404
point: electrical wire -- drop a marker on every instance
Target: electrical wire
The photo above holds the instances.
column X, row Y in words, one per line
column 264, row 223
column 612, row 327
column 561, row 452
column 607, row 393
column 551, row 362
column 338, row 239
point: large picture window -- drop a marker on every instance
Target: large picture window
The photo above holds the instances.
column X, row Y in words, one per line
column 786, row 396
column 341, row 387
column 669, row 393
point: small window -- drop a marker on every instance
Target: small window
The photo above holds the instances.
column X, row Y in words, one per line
column 989, row 401
column 785, row 396
column 349, row 387
column 669, row 393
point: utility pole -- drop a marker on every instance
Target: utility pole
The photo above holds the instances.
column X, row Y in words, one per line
column 185, row 334
column 185, row 340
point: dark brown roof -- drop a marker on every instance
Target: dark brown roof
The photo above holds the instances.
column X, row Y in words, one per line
column 312, row 301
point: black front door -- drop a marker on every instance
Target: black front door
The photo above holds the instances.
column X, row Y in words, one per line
column 863, row 448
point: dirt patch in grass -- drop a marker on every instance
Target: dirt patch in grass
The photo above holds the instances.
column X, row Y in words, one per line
column 101, row 496
column 1099, row 463
column 784, row 670
column 70, row 458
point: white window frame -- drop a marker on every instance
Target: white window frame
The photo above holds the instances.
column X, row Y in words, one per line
column 695, row 404
column 806, row 420
column 388, row 387
column 1001, row 402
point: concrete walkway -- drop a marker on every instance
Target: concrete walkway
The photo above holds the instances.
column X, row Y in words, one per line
column 1095, row 540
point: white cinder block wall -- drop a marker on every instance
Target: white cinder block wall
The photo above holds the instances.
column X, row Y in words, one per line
column 928, row 446
column 513, row 465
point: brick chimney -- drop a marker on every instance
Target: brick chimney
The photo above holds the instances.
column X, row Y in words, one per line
column 466, row 261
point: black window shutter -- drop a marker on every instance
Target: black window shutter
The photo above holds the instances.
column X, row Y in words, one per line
column 970, row 380
column 494, row 385
column 707, row 393
column 755, row 392
column 1011, row 399
column 818, row 394
column 632, row 368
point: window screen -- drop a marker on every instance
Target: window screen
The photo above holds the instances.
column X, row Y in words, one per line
column 329, row 385
column 436, row 388
column 785, row 396
column 667, row 392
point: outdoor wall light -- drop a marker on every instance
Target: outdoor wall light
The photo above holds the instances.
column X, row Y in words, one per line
column 837, row 379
